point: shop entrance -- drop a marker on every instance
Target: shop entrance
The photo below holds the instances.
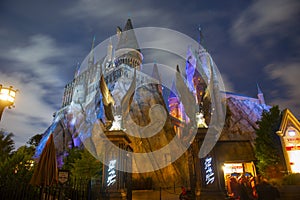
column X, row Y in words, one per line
column 235, row 171
column 294, row 155
column 292, row 147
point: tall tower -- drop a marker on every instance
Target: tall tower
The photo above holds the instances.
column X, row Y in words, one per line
column 156, row 75
column 127, row 51
column 110, row 51
column 91, row 56
column 109, row 59
column 260, row 95
column 204, row 59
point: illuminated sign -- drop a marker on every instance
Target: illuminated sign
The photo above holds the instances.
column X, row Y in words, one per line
column 209, row 173
column 111, row 178
column 233, row 168
column 63, row 176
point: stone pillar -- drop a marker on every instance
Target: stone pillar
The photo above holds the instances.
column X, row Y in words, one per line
column 210, row 171
column 195, row 162
column 205, row 172
column 117, row 183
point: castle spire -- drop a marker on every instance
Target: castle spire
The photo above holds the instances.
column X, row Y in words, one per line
column 119, row 31
column 190, row 68
column 156, row 75
column 77, row 70
column 173, row 101
column 260, row 95
column 201, row 38
column 128, row 25
column 258, row 89
column 127, row 37
column 110, row 51
column 91, row 58
column 128, row 50
column 203, row 58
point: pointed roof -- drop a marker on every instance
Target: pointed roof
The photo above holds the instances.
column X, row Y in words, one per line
column 201, row 37
column 119, row 29
column 77, row 70
column 190, row 65
column 109, row 53
column 128, row 38
column 288, row 119
column 91, row 58
column 258, row 89
column 172, row 93
column 155, row 73
column 93, row 43
column 128, row 25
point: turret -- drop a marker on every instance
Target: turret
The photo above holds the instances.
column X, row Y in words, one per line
column 109, row 59
column 176, row 107
column 91, row 56
column 260, row 95
column 127, row 51
column 203, row 59
column 110, row 52
column 156, row 75
column 190, row 69
column 201, row 76
column 77, row 70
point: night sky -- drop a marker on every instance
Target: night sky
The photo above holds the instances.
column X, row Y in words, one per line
column 41, row 43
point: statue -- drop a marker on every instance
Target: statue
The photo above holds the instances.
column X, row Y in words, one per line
column 108, row 103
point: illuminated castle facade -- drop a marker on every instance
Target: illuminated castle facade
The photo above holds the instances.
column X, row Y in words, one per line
column 119, row 63
column 118, row 67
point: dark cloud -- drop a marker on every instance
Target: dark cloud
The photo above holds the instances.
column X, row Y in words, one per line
column 287, row 74
column 266, row 18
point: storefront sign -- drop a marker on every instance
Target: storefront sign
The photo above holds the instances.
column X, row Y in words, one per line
column 233, row 168
column 111, row 178
column 209, row 173
column 63, row 176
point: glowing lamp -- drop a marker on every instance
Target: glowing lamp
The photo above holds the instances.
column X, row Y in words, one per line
column 292, row 133
column 7, row 98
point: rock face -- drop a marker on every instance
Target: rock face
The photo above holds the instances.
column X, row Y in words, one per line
column 150, row 129
column 176, row 172
column 241, row 118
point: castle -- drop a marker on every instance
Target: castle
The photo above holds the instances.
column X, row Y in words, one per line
column 100, row 86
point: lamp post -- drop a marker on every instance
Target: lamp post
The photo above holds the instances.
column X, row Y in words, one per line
column 7, row 98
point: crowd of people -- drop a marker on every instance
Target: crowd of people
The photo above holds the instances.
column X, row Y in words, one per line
column 244, row 188
column 251, row 188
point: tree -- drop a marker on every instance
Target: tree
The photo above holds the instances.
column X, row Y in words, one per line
column 72, row 155
column 35, row 140
column 6, row 145
column 268, row 149
column 18, row 168
column 87, row 166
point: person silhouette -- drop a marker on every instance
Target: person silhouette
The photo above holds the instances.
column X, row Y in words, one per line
column 265, row 191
